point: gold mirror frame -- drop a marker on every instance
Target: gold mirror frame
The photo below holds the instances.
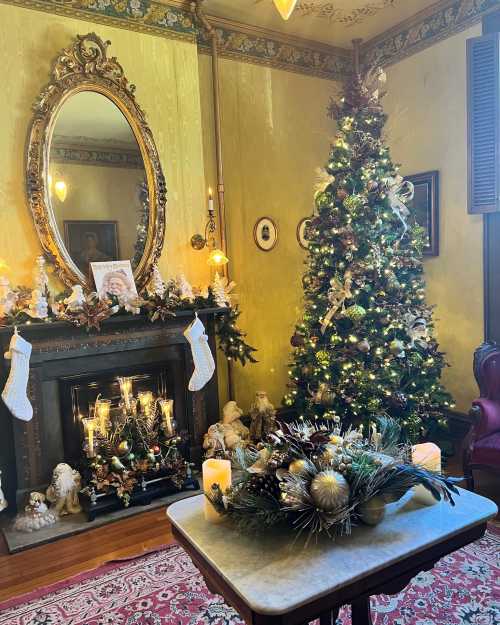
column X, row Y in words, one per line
column 85, row 66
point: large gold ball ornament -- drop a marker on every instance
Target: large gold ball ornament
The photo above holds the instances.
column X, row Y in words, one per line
column 330, row 490
column 123, row 448
column 297, row 466
column 335, row 439
column 372, row 511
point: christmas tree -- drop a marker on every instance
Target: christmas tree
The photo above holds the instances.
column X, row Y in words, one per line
column 365, row 344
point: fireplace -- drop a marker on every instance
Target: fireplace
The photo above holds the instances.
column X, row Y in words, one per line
column 70, row 369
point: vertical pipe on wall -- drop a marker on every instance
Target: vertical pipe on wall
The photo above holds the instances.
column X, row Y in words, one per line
column 356, row 53
column 196, row 8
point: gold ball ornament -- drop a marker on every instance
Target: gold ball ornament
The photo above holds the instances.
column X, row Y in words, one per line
column 330, row 490
column 335, row 439
column 372, row 511
column 298, row 466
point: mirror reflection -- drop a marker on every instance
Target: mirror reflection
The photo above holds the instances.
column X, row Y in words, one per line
column 97, row 182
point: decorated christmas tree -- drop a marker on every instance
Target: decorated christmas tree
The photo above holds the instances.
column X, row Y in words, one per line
column 365, row 345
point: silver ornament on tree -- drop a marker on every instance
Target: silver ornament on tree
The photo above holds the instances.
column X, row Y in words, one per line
column 330, row 490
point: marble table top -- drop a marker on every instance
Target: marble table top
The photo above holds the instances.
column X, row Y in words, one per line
column 273, row 574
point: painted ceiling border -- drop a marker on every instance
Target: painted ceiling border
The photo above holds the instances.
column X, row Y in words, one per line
column 429, row 26
column 175, row 22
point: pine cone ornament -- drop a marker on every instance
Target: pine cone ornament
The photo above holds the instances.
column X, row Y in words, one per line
column 264, row 485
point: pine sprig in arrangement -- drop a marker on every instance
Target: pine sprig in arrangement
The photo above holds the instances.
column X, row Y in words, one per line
column 319, row 480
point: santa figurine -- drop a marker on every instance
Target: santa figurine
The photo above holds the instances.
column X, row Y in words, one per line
column 263, row 417
column 236, row 434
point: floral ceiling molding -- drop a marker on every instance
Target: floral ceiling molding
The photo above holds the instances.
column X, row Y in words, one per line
column 279, row 54
column 150, row 16
column 441, row 21
column 351, row 17
column 174, row 22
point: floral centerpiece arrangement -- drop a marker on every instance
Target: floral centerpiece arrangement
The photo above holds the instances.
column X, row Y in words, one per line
column 317, row 479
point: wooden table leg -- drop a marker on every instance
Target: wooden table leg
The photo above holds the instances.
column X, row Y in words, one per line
column 329, row 618
column 361, row 612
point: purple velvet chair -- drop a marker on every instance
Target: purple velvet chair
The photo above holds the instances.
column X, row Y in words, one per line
column 482, row 445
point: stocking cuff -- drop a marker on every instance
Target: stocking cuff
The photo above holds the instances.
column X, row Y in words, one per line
column 18, row 344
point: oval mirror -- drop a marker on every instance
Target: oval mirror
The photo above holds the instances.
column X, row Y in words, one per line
column 95, row 182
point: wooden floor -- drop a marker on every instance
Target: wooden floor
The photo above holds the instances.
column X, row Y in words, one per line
column 40, row 566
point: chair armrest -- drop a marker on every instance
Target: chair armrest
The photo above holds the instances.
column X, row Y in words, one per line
column 485, row 417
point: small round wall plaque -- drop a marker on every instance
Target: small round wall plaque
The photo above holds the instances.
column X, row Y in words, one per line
column 301, row 232
column 265, row 234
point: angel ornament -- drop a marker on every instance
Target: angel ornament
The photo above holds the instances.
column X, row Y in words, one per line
column 399, row 192
column 263, row 417
column 417, row 330
column 337, row 295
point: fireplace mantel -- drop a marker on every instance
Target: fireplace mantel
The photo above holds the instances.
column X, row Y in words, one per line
column 29, row 451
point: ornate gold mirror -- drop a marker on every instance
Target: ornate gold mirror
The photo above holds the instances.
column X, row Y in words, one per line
column 94, row 179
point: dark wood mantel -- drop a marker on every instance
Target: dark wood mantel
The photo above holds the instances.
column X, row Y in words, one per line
column 29, row 451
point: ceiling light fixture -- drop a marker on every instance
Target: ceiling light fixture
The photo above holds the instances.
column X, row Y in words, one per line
column 285, row 7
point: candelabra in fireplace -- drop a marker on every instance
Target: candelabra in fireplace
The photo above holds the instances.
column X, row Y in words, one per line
column 132, row 451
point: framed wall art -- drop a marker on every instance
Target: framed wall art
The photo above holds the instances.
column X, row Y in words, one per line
column 302, row 231
column 91, row 241
column 425, row 207
column 265, row 234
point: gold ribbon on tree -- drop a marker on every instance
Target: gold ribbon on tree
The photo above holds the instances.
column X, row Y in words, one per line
column 337, row 295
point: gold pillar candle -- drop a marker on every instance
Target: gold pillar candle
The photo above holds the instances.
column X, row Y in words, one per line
column 126, row 392
column 102, row 412
column 215, row 472
column 89, row 426
column 146, row 401
column 427, row 456
column 167, row 416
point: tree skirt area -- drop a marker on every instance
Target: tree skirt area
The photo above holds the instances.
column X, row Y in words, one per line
column 164, row 588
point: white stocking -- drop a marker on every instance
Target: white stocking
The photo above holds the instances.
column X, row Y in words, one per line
column 204, row 365
column 14, row 393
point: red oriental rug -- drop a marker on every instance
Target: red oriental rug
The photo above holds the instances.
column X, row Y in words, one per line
column 164, row 588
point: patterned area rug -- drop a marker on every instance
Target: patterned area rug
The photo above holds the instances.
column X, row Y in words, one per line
column 164, row 588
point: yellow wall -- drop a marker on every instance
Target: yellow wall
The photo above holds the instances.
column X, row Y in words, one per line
column 275, row 134
column 427, row 129
column 166, row 75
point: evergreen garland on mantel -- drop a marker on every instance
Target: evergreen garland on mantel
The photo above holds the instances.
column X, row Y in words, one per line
column 157, row 306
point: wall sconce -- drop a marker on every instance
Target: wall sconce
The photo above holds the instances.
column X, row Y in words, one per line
column 216, row 258
column 285, row 7
column 60, row 188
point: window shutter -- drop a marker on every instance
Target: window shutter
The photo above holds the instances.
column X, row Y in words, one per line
column 483, row 66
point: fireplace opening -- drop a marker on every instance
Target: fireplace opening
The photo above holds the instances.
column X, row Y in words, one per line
column 78, row 396
column 120, row 431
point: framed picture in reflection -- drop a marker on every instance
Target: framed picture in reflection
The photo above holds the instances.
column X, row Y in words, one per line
column 425, row 207
column 91, row 242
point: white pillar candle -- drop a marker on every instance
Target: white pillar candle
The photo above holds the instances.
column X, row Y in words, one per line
column 215, row 472
column 210, row 200
column 427, row 456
